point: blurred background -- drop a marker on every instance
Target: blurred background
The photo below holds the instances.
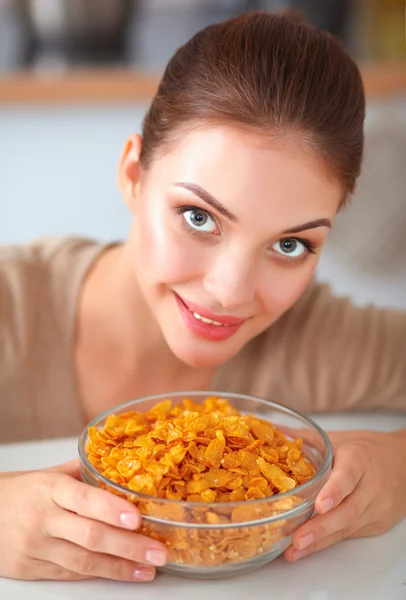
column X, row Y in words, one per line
column 76, row 77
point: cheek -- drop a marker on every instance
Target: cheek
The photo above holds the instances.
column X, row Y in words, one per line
column 281, row 290
column 167, row 255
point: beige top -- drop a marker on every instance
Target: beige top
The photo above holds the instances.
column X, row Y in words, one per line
column 323, row 355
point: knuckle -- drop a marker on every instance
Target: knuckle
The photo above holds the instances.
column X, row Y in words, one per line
column 81, row 496
column 321, row 526
column 352, row 475
column 36, row 519
column 344, row 533
column 92, row 536
column 351, row 512
column 322, row 531
column 119, row 569
column 42, row 484
column 134, row 552
column 53, row 485
column 67, row 575
column 27, row 546
column 84, row 563
column 327, row 529
column 362, row 450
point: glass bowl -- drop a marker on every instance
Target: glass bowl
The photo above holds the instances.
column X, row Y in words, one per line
column 220, row 539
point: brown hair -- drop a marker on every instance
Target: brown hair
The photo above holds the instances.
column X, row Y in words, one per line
column 270, row 73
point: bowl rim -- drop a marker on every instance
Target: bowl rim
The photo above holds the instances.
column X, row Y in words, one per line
column 210, row 505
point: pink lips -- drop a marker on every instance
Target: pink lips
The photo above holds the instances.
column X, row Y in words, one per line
column 207, row 330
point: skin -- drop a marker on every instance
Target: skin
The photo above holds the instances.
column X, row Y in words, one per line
column 70, row 530
column 132, row 341
column 271, row 186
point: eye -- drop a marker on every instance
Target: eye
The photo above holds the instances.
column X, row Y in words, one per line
column 199, row 220
column 291, row 247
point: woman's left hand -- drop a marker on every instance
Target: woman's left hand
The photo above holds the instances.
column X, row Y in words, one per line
column 364, row 496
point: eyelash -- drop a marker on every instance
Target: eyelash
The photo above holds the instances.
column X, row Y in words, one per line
column 306, row 243
column 182, row 209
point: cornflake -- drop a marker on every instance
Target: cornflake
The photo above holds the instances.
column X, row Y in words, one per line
column 202, row 453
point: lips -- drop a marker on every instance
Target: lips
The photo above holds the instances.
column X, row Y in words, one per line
column 206, row 314
column 206, row 324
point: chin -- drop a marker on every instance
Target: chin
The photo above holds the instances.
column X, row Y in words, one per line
column 203, row 355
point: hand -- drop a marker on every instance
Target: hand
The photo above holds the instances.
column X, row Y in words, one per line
column 364, row 496
column 53, row 526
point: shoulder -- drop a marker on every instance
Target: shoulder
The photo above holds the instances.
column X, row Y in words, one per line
column 21, row 271
column 333, row 324
column 24, row 267
column 27, row 282
column 41, row 251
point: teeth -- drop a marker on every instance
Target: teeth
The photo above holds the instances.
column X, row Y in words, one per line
column 212, row 322
column 208, row 321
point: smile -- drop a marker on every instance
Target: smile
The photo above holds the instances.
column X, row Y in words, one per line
column 208, row 321
column 206, row 325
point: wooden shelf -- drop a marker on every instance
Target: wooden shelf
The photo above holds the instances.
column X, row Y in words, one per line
column 103, row 86
column 385, row 80
column 106, row 86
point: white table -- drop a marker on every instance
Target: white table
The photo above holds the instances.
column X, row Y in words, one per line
column 364, row 569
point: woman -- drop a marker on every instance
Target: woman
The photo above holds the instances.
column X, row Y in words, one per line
column 251, row 146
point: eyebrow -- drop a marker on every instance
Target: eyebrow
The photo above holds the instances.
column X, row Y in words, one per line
column 209, row 199
column 309, row 225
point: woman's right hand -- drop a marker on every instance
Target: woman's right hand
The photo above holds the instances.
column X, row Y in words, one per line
column 53, row 526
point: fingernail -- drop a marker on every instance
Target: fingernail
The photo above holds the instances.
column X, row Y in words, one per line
column 296, row 554
column 326, row 505
column 304, row 541
column 156, row 557
column 144, row 574
column 130, row 520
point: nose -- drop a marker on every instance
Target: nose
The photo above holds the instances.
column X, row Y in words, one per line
column 231, row 280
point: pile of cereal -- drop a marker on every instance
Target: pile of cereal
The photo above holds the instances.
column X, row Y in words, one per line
column 207, row 453
column 198, row 452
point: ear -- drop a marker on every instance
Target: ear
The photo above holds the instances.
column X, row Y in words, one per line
column 129, row 170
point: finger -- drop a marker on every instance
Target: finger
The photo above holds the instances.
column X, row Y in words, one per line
column 102, row 538
column 44, row 570
column 59, row 574
column 345, row 518
column 291, row 554
column 82, row 562
column 344, row 478
column 94, row 503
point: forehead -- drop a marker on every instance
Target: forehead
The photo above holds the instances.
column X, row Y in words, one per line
column 244, row 170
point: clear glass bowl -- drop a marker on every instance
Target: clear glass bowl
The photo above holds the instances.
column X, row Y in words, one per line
column 222, row 539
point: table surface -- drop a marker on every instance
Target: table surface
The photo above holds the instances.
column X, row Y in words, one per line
column 364, row 569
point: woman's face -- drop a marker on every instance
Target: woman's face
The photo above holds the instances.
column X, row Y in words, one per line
column 228, row 227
